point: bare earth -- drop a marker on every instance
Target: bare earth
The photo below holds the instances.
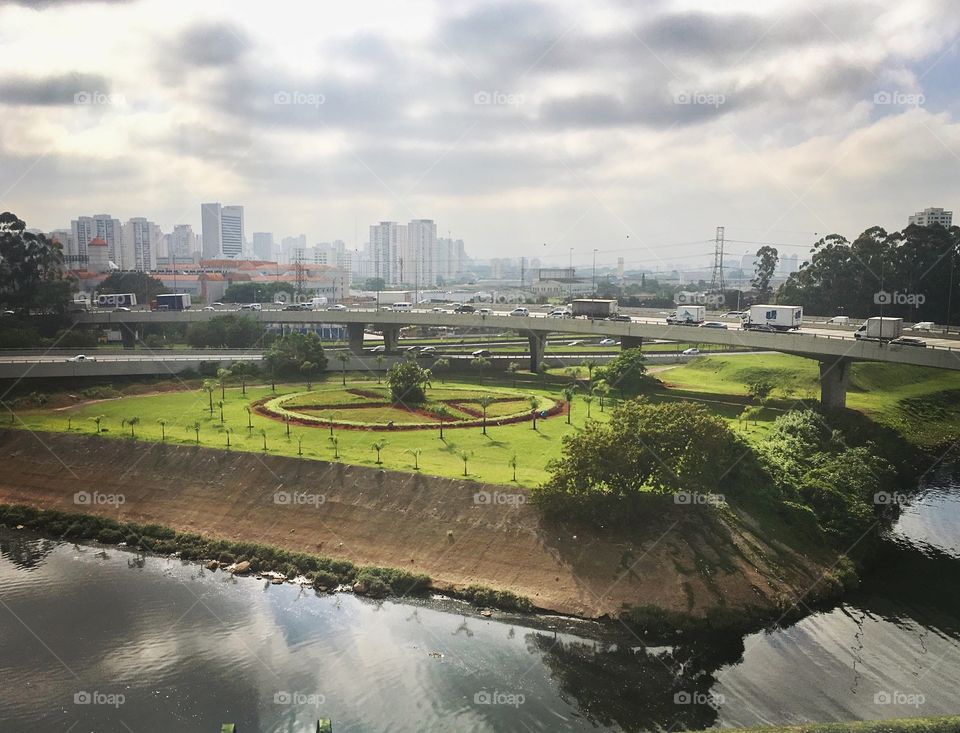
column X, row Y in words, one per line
column 685, row 559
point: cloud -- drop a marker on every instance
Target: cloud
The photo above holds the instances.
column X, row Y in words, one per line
column 59, row 90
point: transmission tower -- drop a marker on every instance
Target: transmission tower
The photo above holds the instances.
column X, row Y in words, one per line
column 300, row 276
column 716, row 282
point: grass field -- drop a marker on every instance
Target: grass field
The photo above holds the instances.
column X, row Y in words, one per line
column 922, row 404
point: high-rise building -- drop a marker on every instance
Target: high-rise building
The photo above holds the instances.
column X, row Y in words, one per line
column 420, row 254
column 929, row 217
column 222, row 231
column 65, row 238
column 85, row 228
column 141, row 240
column 183, row 242
column 451, row 260
column 263, row 245
column 387, row 241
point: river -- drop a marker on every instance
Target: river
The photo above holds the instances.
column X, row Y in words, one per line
column 102, row 639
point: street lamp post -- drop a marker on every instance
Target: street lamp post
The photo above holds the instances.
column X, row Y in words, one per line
column 594, row 290
column 570, row 273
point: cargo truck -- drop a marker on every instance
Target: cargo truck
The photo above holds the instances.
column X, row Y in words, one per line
column 880, row 329
column 773, row 318
column 688, row 315
column 172, row 302
column 116, row 300
column 590, row 308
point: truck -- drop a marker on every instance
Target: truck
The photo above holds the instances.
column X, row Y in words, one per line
column 591, row 308
column 116, row 300
column 880, row 329
column 316, row 303
column 688, row 315
column 773, row 318
column 172, row 302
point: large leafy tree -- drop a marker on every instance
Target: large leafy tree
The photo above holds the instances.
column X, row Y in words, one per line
column 288, row 353
column 408, row 382
column 627, row 372
column 32, row 274
column 767, row 259
column 229, row 331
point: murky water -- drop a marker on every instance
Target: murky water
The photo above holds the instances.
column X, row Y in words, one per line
column 106, row 640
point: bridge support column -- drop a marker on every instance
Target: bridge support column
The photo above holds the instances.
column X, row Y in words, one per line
column 128, row 335
column 631, row 342
column 834, row 382
column 538, row 345
column 391, row 335
column 355, row 337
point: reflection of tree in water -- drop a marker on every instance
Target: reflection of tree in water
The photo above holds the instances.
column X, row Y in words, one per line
column 24, row 549
column 640, row 688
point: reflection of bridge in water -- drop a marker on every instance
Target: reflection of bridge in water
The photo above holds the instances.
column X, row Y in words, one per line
column 834, row 351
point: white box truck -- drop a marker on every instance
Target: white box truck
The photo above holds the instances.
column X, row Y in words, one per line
column 593, row 308
column 773, row 318
column 688, row 315
column 880, row 329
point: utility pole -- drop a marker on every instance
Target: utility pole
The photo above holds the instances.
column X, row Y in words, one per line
column 716, row 281
column 594, row 290
column 570, row 289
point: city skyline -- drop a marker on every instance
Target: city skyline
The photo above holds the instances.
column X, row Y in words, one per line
column 633, row 130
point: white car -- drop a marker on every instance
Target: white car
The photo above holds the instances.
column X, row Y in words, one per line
column 81, row 358
column 923, row 326
column 691, row 352
column 519, row 312
column 378, row 349
column 208, row 308
column 559, row 313
column 439, row 310
column 608, row 342
column 337, row 307
column 484, row 311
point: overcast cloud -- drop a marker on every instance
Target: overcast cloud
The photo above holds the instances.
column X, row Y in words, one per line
column 522, row 127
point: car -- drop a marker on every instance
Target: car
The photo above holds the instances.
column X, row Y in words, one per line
column 337, row 307
column 208, row 308
column 732, row 314
column 694, row 351
column 619, row 317
column 217, row 304
column 607, row 342
column 9, row 313
column 464, row 308
column 81, row 358
column 485, row 311
column 910, row 341
column 378, row 349
column 408, row 348
column 251, row 307
column 438, row 310
column 760, row 327
column 838, row 321
column 713, row 324
column 923, row 326
column 574, row 343
column 427, row 349
column 560, row 313
column 519, row 312
column 480, row 353
column 296, row 307
column 122, row 308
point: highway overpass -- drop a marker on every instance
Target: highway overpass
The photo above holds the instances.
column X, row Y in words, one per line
column 835, row 350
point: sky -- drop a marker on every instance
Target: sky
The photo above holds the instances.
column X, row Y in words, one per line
column 525, row 128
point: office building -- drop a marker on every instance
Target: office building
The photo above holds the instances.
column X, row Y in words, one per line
column 929, row 217
column 263, row 245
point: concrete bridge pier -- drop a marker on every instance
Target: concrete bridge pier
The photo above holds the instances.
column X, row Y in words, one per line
column 128, row 335
column 391, row 335
column 631, row 342
column 355, row 337
column 538, row 346
column 834, row 382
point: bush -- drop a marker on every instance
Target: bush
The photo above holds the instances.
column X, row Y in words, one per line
column 407, row 381
column 324, row 579
column 479, row 595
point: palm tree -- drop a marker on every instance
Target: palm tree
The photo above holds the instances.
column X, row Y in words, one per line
column 308, row 368
column 220, row 405
column 163, row 429
column 299, row 445
column 131, row 421
column 415, row 452
column 513, row 464
column 98, row 419
column 336, row 445
column 379, row 446
column 228, row 431
column 286, row 419
column 512, row 369
column 480, row 363
column 464, row 456
column 69, row 423
column 442, row 413
column 380, row 360
column 344, row 357
column 590, row 365
column 249, row 417
column 602, row 390
column 222, row 375
column 263, row 434
column 441, row 364
column 485, row 402
column 534, row 406
column 568, row 393
column 330, row 423
column 196, row 430
column 587, row 399
column 209, row 386
column 241, row 369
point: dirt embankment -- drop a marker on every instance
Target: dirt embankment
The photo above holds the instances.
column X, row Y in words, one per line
column 684, row 559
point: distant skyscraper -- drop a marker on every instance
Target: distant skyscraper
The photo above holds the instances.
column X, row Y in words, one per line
column 451, row 259
column 263, row 245
column 141, row 240
column 222, row 231
column 387, row 241
column 929, row 217
column 85, row 228
column 420, row 253
column 183, row 242
column 210, row 227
